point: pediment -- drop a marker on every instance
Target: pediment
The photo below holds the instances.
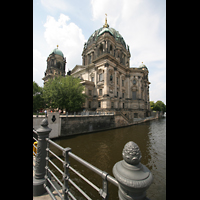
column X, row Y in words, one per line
column 77, row 68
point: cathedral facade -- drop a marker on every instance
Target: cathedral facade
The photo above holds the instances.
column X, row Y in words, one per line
column 110, row 83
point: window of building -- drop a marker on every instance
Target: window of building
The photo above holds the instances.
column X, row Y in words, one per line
column 111, row 77
column 122, row 83
column 89, row 105
column 112, row 104
column 122, row 95
column 89, row 59
column 123, row 105
column 117, row 80
column 117, row 94
column 90, row 92
column 100, row 92
column 101, row 77
column 111, row 47
column 135, row 115
column 134, row 95
column 92, row 79
column 99, row 104
column 101, row 49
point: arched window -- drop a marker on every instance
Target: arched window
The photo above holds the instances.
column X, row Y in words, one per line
column 111, row 48
column 101, row 49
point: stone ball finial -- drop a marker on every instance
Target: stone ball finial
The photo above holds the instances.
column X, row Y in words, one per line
column 44, row 122
column 131, row 153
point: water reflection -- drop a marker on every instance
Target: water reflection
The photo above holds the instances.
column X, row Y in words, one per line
column 104, row 149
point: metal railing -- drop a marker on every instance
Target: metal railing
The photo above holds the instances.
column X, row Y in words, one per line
column 133, row 186
column 103, row 192
column 87, row 113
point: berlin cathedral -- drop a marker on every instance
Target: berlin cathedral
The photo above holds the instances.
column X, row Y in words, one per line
column 110, row 83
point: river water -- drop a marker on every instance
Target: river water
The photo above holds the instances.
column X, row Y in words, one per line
column 103, row 149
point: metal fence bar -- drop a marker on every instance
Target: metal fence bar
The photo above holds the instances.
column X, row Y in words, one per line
column 56, row 145
column 71, row 195
column 85, row 179
column 54, row 188
column 34, row 146
column 35, row 139
column 56, row 166
column 55, row 177
column 56, row 156
column 112, row 180
column 88, row 165
column 79, row 189
column 50, row 193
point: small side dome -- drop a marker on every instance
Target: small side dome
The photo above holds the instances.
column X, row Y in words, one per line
column 57, row 52
column 142, row 66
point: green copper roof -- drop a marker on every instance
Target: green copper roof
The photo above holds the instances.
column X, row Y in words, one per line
column 142, row 66
column 102, row 30
column 57, row 52
column 105, row 30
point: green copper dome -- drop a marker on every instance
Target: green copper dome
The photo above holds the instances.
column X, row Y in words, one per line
column 142, row 66
column 57, row 52
column 102, row 30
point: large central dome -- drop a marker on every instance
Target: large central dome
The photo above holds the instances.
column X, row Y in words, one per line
column 102, row 30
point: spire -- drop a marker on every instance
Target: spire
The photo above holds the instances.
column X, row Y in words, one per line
column 105, row 25
column 57, row 46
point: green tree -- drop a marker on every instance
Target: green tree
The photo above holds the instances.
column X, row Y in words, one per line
column 152, row 104
column 159, row 106
column 38, row 101
column 64, row 93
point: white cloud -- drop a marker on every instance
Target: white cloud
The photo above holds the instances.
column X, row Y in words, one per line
column 52, row 5
column 68, row 36
column 39, row 67
column 138, row 23
column 158, row 85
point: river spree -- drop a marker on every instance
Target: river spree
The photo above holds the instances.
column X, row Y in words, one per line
column 104, row 149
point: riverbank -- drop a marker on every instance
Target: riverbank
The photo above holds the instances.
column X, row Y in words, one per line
column 63, row 125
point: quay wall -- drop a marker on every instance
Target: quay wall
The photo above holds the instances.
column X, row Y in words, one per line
column 63, row 125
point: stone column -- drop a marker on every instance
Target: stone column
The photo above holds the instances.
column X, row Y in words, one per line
column 38, row 179
column 120, row 86
column 115, row 90
column 133, row 177
column 106, row 79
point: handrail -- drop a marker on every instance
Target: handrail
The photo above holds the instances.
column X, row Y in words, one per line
column 129, row 165
column 65, row 188
column 93, row 168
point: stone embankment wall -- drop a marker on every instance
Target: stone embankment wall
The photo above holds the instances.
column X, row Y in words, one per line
column 72, row 125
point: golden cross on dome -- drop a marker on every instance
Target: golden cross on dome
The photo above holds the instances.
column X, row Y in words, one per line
column 57, row 46
column 106, row 25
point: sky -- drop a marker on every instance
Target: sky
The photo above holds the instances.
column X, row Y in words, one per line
column 69, row 24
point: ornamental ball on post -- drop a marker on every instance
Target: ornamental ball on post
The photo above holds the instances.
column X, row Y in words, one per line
column 133, row 177
column 131, row 153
